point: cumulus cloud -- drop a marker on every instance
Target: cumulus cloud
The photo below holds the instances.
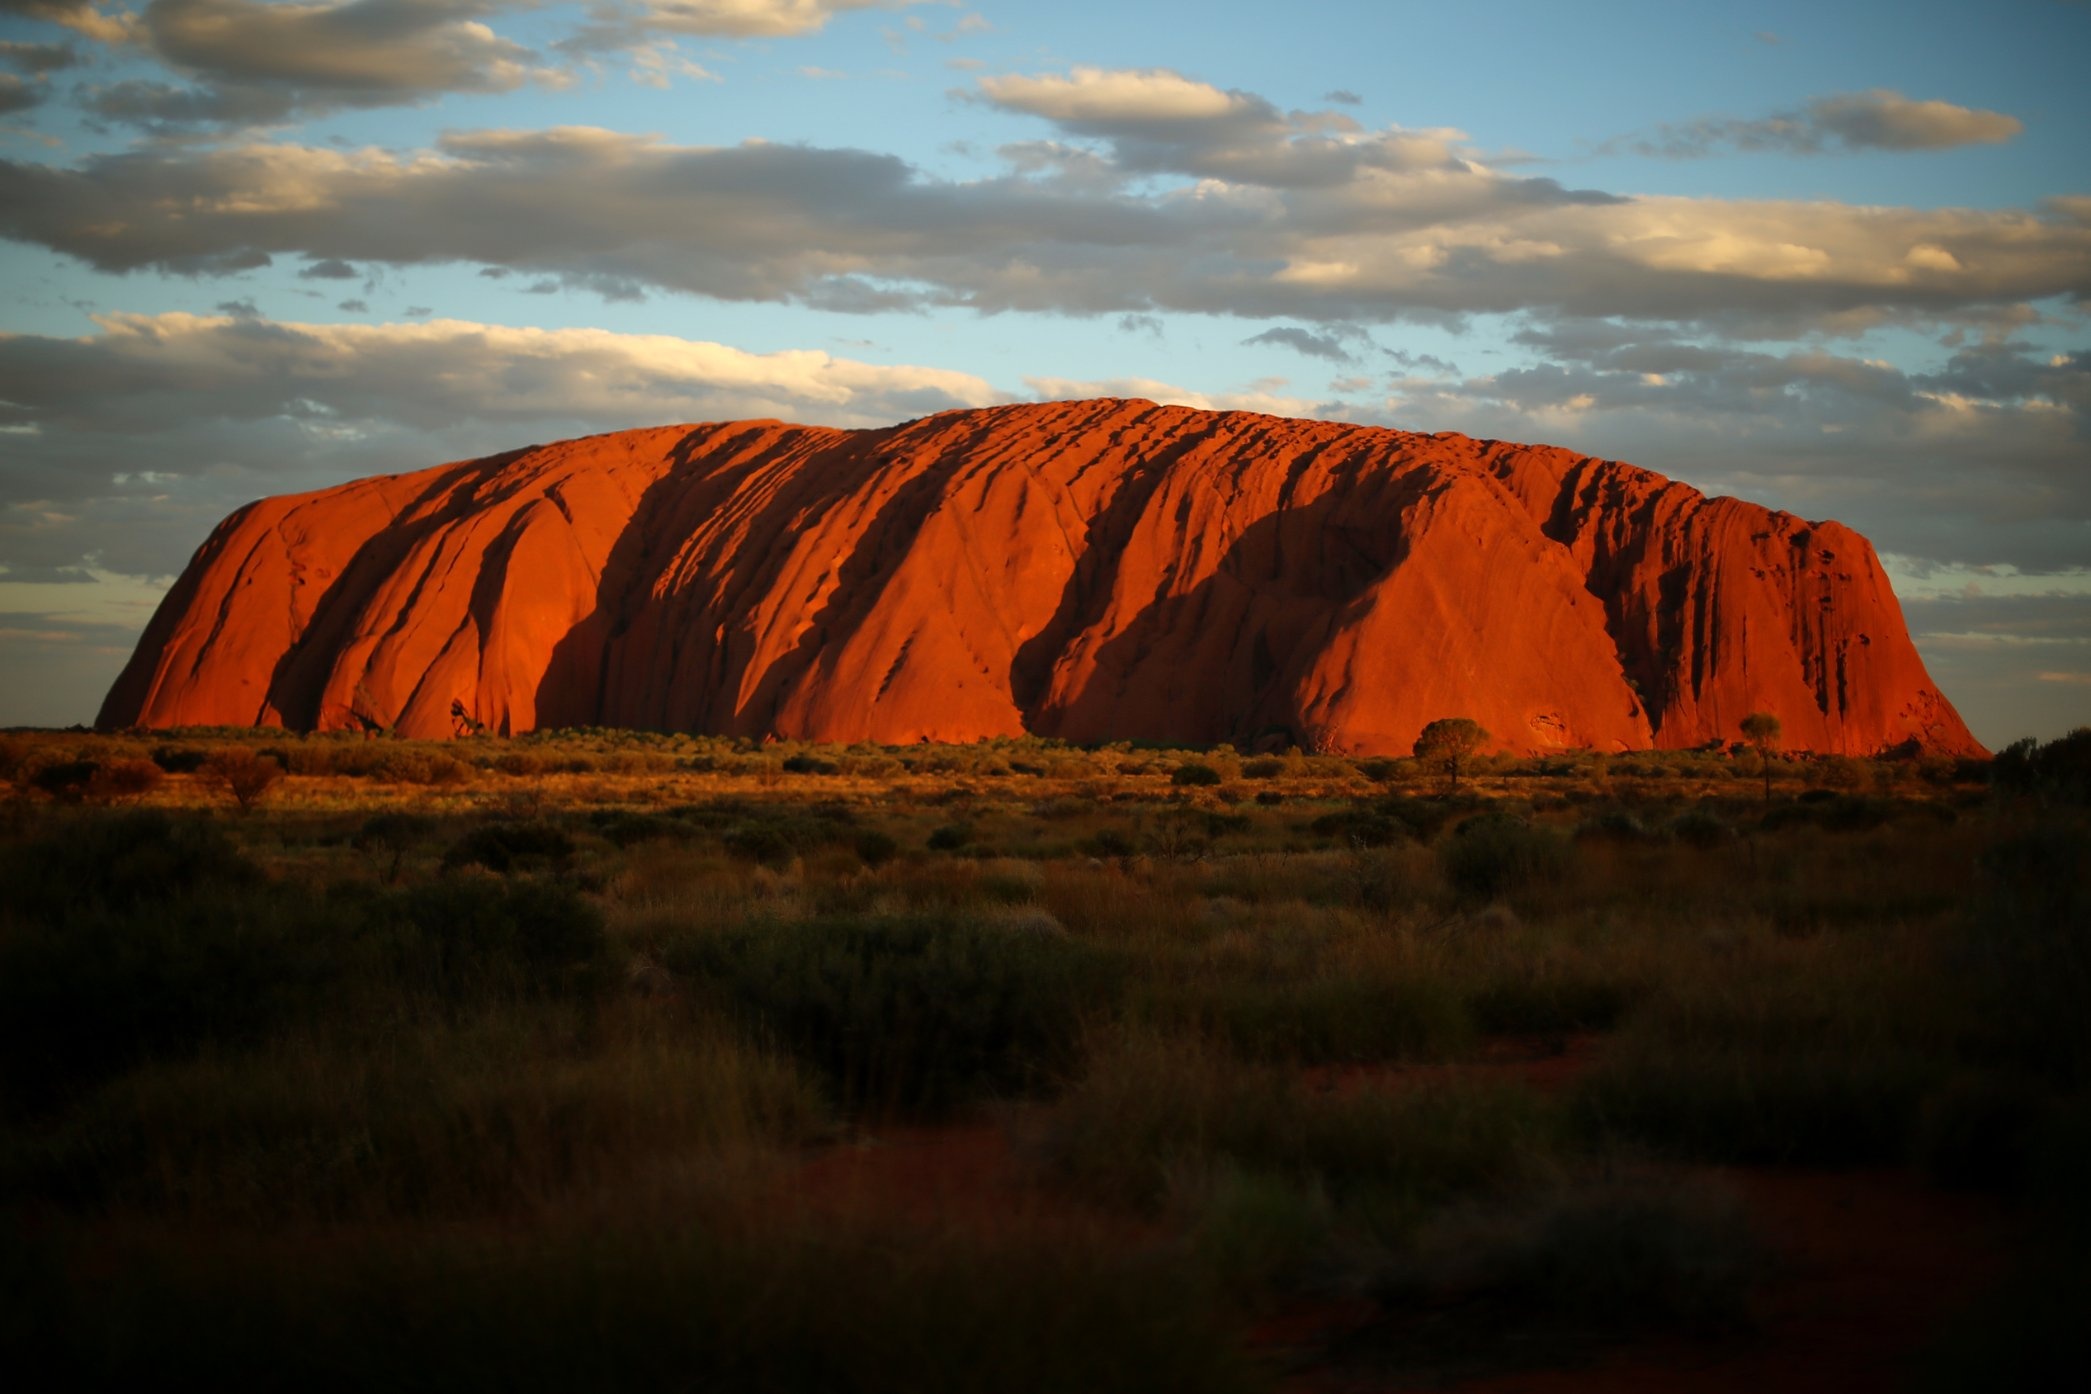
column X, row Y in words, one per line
column 252, row 62
column 752, row 18
column 620, row 24
column 659, row 62
column 142, row 374
column 1262, row 395
column 1978, row 460
column 37, row 58
column 1875, row 120
column 853, row 229
column 1157, row 121
column 126, row 445
column 1327, row 345
column 17, row 95
column 83, row 17
column 1107, row 100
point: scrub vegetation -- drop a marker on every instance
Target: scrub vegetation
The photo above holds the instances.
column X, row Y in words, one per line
column 610, row 1059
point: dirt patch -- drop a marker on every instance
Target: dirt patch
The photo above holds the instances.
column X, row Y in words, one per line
column 1547, row 1063
column 1866, row 1269
column 963, row 1170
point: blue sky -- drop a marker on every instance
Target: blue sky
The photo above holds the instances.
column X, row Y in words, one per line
column 1833, row 259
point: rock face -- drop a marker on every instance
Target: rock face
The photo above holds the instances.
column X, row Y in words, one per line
column 1089, row 570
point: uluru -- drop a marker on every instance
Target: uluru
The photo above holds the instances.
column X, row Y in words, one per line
column 1088, row 570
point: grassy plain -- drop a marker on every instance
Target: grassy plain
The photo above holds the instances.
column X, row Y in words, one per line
column 623, row 1060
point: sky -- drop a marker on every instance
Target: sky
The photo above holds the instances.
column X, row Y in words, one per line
column 1833, row 259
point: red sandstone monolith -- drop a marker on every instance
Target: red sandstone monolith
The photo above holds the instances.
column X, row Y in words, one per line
column 1090, row 570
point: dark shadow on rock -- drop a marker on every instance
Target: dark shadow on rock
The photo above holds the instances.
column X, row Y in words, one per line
column 297, row 684
column 1222, row 661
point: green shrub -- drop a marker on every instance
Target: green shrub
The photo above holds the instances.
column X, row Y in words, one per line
column 2059, row 770
column 1611, row 1256
column 874, row 848
column 1149, row 1107
column 624, row 828
column 463, row 938
column 1361, row 827
column 767, row 844
column 65, row 780
column 246, row 776
column 16, row 756
column 1324, row 1017
column 1534, row 999
column 495, row 1113
column 1422, row 817
column 1253, row 1227
column 118, row 861
column 1615, row 825
column 1194, row 773
column 124, row 779
column 387, row 839
column 2024, row 945
column 1701, row 829
column 141, row 935
column 1494, row 854
column 506, row 847
column 912, row 1015
column 1107, row 843
column 773, row 837
column 1821, row 1103
column 950, row 837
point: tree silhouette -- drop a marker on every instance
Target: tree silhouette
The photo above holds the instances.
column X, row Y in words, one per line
column 1448, row 740
column 1761, row 730
column 244, row 775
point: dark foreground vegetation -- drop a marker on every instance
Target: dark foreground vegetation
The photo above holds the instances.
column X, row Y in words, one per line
column 611, row 1060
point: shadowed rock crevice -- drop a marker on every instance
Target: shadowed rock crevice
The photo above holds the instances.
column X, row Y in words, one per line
column 1091, row 570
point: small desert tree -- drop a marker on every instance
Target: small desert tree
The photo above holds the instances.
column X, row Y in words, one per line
column 243, row 774
column 1761, row 730
column 1447, row 741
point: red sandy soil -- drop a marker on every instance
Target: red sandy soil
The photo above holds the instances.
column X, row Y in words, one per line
column 1864, row 1268
column 1086, row 570
column 1547, row 1063
column 930, row 1174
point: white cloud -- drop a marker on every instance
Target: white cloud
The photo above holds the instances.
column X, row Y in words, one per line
column 1110, row 97
column 142, row 373
column 1884, row 120
column 655, row 64
column 1382, row 238
column 1157, row 121
column 1875, row 120
column 1977, row 462
column 754, row 18
column 257, row 63
column 620, row 23
column 1257, row 396
column 83, row 17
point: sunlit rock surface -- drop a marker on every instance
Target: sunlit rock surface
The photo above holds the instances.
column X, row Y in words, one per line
column 1090, row 570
